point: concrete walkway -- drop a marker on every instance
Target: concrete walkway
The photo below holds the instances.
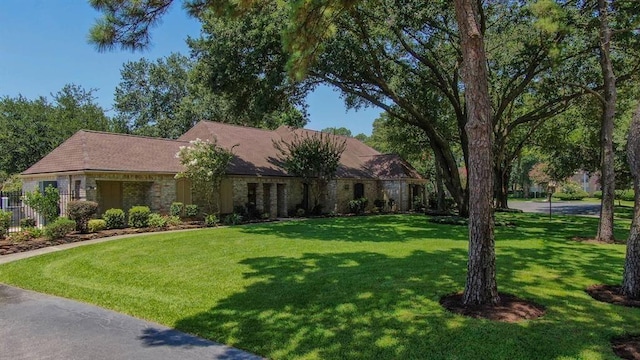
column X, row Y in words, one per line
column 35, row 326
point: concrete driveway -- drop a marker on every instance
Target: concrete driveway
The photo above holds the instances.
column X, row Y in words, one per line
column 558, row 207
column 35, row 326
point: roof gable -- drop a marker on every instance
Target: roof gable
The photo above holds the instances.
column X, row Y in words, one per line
column 102, row 151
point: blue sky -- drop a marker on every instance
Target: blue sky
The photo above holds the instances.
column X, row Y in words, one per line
column 43, row 46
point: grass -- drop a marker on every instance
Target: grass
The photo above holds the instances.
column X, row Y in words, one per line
column 351, row 288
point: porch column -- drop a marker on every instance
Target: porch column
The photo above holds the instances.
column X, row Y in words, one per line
column 260, row 205
column 273, row 199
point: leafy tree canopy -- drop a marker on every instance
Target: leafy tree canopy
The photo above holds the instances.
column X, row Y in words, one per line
column 205, row 164
column 337, row 131
column 29, row 129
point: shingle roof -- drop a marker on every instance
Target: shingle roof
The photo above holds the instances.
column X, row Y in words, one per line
column 253, row 149
column 101, row 151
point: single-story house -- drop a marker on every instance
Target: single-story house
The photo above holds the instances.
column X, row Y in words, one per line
column 121, row 171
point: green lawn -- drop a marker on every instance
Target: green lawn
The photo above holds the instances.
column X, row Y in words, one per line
column 350, row 288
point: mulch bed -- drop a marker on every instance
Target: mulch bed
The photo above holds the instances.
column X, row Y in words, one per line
column 510, row 309
column 591, row 240
column 9, row 247
column 627, row 347
column 611, row 294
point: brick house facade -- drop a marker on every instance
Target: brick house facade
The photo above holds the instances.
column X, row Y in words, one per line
column 121, row 171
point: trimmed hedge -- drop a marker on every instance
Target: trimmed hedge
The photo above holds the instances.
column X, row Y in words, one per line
column 191, row 211
column 577, row 195
column 95, row 225
column 156, row 221
column 59, row 228
column 115, row 219
column 176, row 209
column 5, row 221
column 139, row 216
column 81, row 212
column 627, row 195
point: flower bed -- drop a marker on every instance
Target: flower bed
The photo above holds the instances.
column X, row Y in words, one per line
column 9, row 246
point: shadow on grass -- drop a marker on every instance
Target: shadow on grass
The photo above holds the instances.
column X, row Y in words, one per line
column 366, row 305
column 401, row 228
column 379, row 228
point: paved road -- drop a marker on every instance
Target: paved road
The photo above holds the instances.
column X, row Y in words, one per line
column 36, row 327
column 559, row 207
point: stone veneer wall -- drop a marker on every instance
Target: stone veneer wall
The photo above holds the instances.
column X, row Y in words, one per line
column 341, row 192
column 292, row 194
column 157, row 191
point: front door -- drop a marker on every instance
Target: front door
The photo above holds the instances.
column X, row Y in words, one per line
column 110, row 195
column 226, row 196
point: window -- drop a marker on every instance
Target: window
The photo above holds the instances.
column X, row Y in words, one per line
column 76, row 189
column 252, row 193
column 358, row 191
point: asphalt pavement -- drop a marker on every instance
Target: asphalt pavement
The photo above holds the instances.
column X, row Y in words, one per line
column 35, row 326
column 558, row 207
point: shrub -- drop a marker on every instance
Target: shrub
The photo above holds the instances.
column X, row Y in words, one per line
column 233, row 219
column 115, row 219
column 627, row 195
column 47, row 204
column 27, row 223
column 378, row 203
column 572, row 196
column 139, row 216
column 211, row 220
column 25, row 235
column 59, row 228
column 570, row 187
column 300, row 212
column 173, row 220
column 5, row 221
column 191, row 211
column 156, row 221
column 176, row 209
column 81, row 212
column 418, row 204
column 358, row 206
column 95, row 225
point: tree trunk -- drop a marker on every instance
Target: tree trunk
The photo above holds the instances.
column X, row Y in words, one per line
column 441, row 205
column 481, row 287
column 451, row 178
column 502, row 186
column 631, row 275
column 605, row 226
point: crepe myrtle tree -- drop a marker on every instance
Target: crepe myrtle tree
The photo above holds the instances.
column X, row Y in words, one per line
column 313, row 157
column 205, row 164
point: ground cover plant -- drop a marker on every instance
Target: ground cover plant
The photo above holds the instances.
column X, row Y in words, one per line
column 351, row 288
